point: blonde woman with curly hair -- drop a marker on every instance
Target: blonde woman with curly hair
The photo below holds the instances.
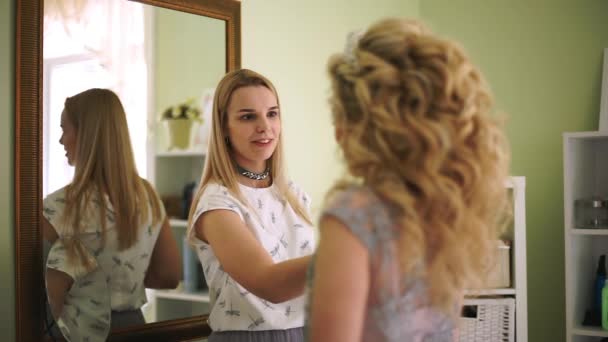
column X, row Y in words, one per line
column 250, row 225
column 417, row 222
column 108, row 219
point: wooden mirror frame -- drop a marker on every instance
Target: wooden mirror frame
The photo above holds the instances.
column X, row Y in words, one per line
column 29, row 282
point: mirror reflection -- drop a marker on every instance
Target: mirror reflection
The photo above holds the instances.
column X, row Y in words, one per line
column 127, row 98
column 78, row 294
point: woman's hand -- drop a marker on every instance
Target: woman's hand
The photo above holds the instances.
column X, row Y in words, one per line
column 48, row 231
column 165, row 268
column 58, row 284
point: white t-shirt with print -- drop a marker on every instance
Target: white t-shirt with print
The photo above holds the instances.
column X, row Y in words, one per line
column 280, row 231
column 124, row 270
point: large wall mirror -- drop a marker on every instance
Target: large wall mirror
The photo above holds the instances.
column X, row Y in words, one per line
column 157, row 56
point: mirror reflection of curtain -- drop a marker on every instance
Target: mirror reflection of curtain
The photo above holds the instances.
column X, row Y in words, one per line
column 92, row 43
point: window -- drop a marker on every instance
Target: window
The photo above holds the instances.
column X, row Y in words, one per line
column 101, row 44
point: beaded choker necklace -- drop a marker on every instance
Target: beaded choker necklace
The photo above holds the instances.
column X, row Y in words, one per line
column 253, row 175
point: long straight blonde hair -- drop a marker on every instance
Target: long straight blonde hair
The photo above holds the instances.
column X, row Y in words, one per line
column 219, row 166
column 104, row 164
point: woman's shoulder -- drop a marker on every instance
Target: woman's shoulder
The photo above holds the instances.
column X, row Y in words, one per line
column 216, row 190
column 357, row 203
column 299, row 192
column 56, row 196
column 362, row 212
column 217, row 196
column 295, row 187
column 53, row 204
column 352, row 196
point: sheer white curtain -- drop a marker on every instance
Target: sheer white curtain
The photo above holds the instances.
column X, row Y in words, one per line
column 93, row 43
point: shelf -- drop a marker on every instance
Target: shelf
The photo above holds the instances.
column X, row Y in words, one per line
column 589, row 331
column 589, row 134
column 589, row 231
column 585, row 176
column 202, row 297
column 515, row 181
column 180, row 154
column 178, row 223
column 491, row 292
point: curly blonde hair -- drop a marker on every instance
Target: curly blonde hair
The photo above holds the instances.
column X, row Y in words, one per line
column 413, row 120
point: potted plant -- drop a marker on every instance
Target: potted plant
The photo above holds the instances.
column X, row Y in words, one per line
column 180, row 119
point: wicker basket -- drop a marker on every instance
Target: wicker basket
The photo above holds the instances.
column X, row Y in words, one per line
column 488, row 320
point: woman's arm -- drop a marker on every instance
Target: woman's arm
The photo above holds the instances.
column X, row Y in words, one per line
column 57, row 283
column 341, row 285
column 48, row 232
column 246, row 261
column 165, row 268
column 57, row 286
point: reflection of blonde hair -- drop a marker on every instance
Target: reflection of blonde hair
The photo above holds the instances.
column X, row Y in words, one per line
column 219, row 166
column 413, row 113
column 104, row 164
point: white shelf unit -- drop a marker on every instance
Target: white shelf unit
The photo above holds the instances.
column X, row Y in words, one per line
column 202, row 297
column 170, row 172
column 519, row 257
column 517, row 234
column 585, row 175
column 178, row 223
column 492, row 292
column 171, row 154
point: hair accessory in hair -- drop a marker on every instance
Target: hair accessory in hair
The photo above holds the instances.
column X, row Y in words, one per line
column 352, row 40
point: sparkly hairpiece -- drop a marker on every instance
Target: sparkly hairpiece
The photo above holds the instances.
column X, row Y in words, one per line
column 352, row 40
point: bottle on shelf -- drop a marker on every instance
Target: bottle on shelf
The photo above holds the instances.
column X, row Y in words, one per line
column 595, row 315
column 600, row 279
column 605, row 306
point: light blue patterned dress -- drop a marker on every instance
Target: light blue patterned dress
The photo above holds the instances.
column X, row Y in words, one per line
column 397, row 307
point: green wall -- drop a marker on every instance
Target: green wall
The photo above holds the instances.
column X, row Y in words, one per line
column 290, row 42
column 189, row 56
column 543, row 60
column 7, row 110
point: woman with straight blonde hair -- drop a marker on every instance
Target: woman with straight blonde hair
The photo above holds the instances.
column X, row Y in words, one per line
column 249, row 225
column 108, row 218
column 418, row 220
